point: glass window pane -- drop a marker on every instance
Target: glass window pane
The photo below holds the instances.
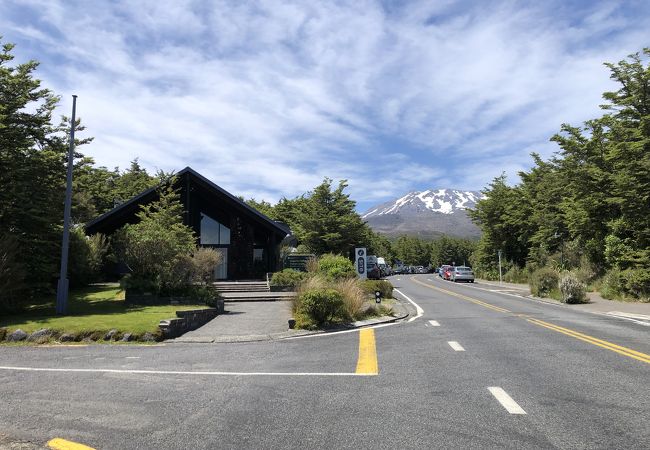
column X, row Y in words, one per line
column 224, row 235
column 258, row 254
column 209, row 231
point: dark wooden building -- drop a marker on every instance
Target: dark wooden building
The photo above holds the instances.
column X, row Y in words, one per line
column 249, row 241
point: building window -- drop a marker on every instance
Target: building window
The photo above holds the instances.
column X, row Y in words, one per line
column 258, row 254
column 213, row 232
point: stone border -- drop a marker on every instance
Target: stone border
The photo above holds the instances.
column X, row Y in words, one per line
column 189, row 320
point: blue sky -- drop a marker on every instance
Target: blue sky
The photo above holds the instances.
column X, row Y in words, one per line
column 267, row 98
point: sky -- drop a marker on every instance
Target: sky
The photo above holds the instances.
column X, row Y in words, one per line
column 266, row 98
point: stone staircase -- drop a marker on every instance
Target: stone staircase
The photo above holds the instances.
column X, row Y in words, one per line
column 250, row 291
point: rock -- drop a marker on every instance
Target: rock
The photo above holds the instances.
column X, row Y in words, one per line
column 16, row 336
column 126, row 337
column 148, row 337
column 39, row 335
column 110, row 335
column 66, row 337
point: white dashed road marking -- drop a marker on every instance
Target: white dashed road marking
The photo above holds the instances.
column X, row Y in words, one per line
column 434, row 323
column 456, row 346
column 506, row 401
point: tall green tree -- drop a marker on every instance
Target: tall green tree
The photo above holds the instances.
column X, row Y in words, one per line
column 326, row 220
column 32, row 180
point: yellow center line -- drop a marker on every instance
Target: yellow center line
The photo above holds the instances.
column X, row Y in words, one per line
column 62, row 444
column 367, row 363
column 594, row 341
column 583, row 337
column 464, row 297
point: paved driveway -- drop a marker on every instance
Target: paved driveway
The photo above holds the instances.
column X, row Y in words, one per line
column 243, row 321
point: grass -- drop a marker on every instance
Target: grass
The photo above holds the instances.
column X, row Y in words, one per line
column 97, row 308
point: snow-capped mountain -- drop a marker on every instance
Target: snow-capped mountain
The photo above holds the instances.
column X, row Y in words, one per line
column 426, row 214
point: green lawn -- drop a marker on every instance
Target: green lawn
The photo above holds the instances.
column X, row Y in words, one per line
column 96, row 308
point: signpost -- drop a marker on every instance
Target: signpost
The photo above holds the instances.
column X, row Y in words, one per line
column 360, row 262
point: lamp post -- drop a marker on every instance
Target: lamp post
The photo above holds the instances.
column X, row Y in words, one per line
column 62, row 285
column 500, row 277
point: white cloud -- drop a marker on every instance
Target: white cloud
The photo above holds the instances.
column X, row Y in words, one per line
column 266, row 98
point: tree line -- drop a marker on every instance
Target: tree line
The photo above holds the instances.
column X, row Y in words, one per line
column 587, row 208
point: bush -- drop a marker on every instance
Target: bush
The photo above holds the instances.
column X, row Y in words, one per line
column 288, row 277
column 322, row 305
column 383, row 286
column 87, row 257
column 516, row 275
column 543, row 281
column 630, row 283
column 205, row 260
column 572, row 289
column 353, row 297
column 336, row 267
column 637, row 283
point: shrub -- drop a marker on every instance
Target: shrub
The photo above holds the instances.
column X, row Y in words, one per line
column 383, row 286
column 312, row 265
column 87, row 257
column 637, row 283
column 611, row 286
column 630, row 283
column 543, row 281
column 516, row 275
column 288, row 277
column 322, row 305
column 353, row 296
column 336, row 267
column 205, row 260
column 572, row 289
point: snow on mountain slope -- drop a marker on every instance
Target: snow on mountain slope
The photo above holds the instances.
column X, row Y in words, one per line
column 427, row 214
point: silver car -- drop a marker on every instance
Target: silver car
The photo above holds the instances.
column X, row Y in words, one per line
column 462, row 273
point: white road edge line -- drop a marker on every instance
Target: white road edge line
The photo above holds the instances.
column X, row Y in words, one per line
column 420, row 311
column 456, row 346
column 506, row 401
column 179, row 372
column 434, row 323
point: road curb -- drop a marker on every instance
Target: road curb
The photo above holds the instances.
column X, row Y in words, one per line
column 289, row 334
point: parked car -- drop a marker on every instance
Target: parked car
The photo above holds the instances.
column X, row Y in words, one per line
column 442, row 270
column 462, row 273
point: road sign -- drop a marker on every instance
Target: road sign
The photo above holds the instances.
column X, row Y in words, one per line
column 360, row 262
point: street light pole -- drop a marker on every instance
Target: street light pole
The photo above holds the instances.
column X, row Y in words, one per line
column 62, row 285
column 500, row 278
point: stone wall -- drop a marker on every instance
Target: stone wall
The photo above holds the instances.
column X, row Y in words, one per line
column 189, row 320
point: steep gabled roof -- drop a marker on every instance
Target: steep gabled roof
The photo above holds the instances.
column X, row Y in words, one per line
column 149, row 194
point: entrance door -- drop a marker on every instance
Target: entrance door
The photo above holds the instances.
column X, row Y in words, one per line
column 221, row 270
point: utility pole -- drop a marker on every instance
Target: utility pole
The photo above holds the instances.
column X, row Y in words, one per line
column 62, row 285
column 500, row 278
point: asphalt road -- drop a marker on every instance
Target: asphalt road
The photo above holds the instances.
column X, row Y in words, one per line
column 491, row 371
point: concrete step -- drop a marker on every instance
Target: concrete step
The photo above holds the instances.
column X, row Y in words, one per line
column 257, row 296
column 241, row 286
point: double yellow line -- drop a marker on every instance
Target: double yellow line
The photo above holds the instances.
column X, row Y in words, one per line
column 464, row 297
column 583, row 337
column 592, row 340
